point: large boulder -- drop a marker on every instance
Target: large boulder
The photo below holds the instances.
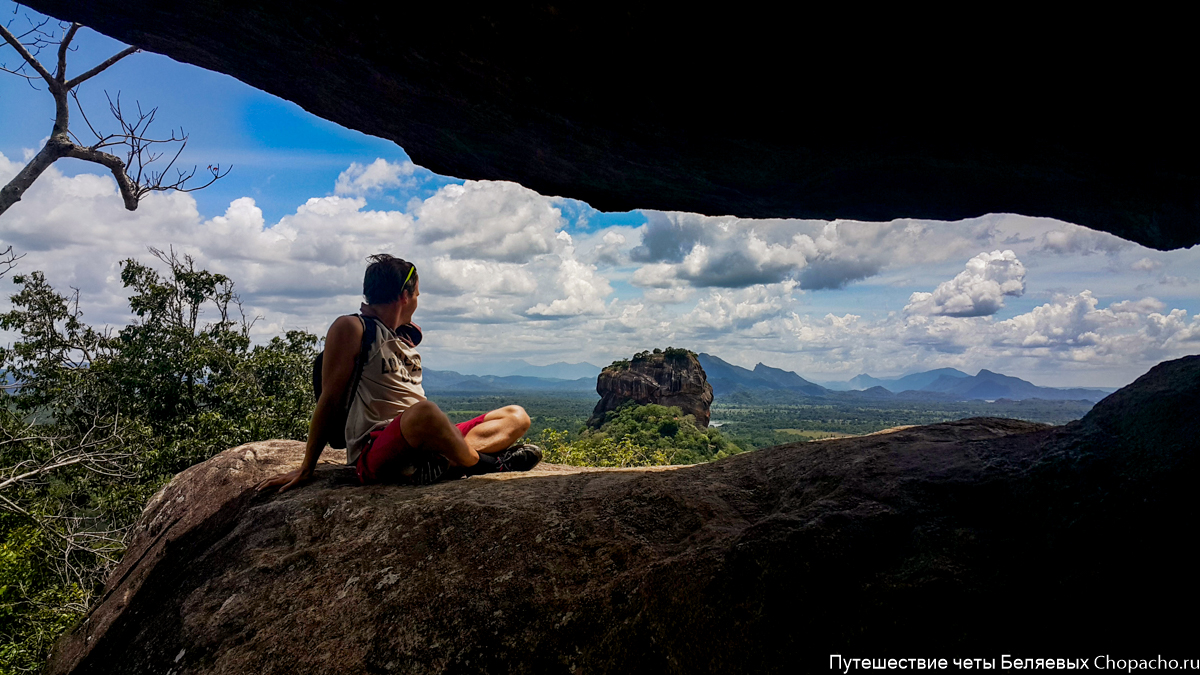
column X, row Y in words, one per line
column 975, row 538
column 672, row 378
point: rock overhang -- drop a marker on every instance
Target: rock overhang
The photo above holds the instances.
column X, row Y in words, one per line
column 797, row 114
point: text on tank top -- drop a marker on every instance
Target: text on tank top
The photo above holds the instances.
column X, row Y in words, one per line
column 390, row 384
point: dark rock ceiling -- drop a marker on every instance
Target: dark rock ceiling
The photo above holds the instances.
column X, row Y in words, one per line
column 735, row 110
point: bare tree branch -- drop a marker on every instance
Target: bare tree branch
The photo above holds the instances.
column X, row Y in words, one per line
column 19, row 73
column 244, row 324
column 11, row 194
column 45, row 468
column 61, row 73
column 29, row 58
column 99, row 450
column 73, row 537
column 129, row 190
column 8, row 260
column 80, row 79
column 101, row 140
column 88, row 453
column 135, row 179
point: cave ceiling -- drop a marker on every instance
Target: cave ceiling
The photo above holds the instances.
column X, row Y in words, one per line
column 735, row 111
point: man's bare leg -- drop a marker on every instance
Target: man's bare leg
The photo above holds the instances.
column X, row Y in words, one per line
column 425, row 426
column 499, row 430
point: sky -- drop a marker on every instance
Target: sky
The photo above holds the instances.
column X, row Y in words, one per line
column 507, row 273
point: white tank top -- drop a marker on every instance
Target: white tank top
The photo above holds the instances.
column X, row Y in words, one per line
column 390, row 384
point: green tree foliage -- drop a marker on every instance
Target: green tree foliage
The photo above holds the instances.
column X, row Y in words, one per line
column 35, row 607
column 95, row 421
column 669, row 354
column 639, row 435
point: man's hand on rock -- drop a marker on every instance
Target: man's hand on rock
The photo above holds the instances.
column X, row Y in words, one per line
column 291, row 479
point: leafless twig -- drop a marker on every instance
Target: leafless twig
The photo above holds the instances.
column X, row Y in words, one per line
column 84, row 548
column 135, row 179
column 92, row 452
column 8, row 260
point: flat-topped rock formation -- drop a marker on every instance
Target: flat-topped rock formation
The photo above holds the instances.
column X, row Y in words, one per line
column 672, row 378
column 973, row 538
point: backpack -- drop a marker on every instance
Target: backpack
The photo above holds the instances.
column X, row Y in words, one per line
column 335, row 428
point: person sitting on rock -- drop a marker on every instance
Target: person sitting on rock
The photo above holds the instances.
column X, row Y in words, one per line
column 392, row 432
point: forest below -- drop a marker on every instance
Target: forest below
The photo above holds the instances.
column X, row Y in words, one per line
column 752, row 420
column 95, row 420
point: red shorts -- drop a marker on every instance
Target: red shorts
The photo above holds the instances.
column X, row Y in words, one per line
column 378, row 461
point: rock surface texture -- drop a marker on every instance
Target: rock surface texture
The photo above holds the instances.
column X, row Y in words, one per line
column 666, row 380
column 736, row 110
column 966, row 539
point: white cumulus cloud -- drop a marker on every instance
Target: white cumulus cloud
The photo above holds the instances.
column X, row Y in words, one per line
column 1146, row 265
column 701, row 251
column 488, row 220
column 1075, row 239
column 583, row 291
column 496, row 253
column 360, row 180
column 979, row 290
column 740, row 308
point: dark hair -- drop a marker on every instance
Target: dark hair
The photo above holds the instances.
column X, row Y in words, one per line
column 385, row 282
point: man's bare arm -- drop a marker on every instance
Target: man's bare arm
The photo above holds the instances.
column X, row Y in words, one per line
column 342, row 345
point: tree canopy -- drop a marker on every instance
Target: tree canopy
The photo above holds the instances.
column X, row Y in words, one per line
column 639, row 435
column 94, row 420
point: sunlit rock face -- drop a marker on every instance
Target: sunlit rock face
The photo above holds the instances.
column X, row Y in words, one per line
column 973, row 538
column 673, row 378
column 736, row 111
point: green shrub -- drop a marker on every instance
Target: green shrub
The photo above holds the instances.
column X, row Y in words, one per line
column 668, row 354
column 673, row 354
column 633, row 435
column 36, row 606
column 622, row 364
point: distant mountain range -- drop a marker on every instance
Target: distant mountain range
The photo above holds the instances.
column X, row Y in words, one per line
column 727, row 378
column 916, row 381
column 942, row 384
column 515, row 375
column 448, row 381
column 985, row 385
column 523, row 368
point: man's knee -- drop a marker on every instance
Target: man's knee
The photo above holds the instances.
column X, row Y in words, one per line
column 424, row 414
column 517, row 415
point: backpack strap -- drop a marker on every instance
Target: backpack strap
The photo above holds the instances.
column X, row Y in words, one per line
column 335, row 434
column 360, row 361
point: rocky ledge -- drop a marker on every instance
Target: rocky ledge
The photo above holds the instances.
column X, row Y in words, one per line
column 966, row 539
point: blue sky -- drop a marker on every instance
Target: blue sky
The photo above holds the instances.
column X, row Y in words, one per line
column 507, row 273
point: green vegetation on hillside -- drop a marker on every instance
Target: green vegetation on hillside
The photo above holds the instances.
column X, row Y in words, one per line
column 98, row 420
column 754, row 420
column 764, row 419
column 638, row 435
column 566, row 410
column 669, row 354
